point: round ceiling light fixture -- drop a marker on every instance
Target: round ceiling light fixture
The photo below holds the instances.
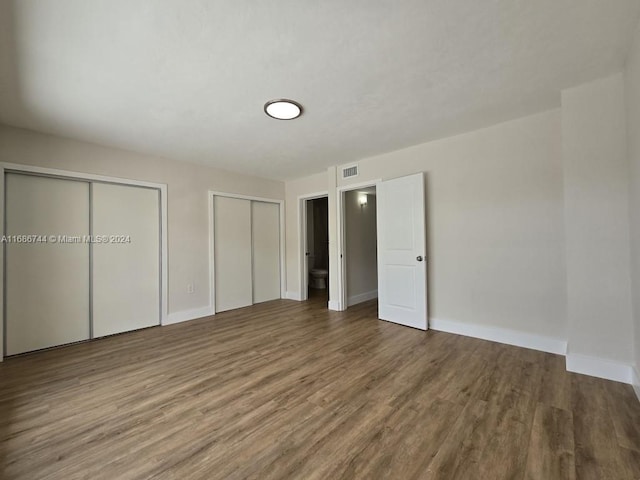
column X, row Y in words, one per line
column 283, row 109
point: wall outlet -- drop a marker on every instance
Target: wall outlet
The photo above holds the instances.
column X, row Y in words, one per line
column 190, row 288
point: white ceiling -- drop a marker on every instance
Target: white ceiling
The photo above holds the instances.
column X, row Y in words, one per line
column 187, row 79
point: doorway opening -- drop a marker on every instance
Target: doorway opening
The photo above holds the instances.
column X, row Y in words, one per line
column 315, row 282
column 401, row 264
column 359, row 245
column 317, row 249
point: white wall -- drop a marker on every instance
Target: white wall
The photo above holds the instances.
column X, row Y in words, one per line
column 597, row 220
column 188, row 184
column 632, row 91
column 334, row 254
column 495, row 223
column 360, row 248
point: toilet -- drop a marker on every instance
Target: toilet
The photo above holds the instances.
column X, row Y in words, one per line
column 318, row 278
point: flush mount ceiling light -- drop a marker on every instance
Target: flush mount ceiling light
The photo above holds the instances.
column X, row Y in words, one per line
column 283, row 109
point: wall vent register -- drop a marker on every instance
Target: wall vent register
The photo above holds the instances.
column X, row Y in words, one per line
column 350, row 171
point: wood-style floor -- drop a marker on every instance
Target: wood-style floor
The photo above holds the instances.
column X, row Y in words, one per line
column 289, row 390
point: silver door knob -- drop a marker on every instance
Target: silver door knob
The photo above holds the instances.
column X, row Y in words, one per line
column 419, row 258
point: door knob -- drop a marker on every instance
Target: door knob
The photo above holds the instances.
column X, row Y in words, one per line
column 419, row 258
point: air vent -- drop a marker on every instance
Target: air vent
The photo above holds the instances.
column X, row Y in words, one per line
column 350, row 171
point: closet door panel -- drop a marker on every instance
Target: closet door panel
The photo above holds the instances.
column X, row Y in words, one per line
column 47, row 283
column 126, row 267
column 266, row 251
column 232, row 250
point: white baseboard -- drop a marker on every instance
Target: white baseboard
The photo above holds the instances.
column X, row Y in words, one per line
column 334, row 305
column 293, row 296
column 599, row 367
column 187, row 315
column 501, row 335
column 362, row 297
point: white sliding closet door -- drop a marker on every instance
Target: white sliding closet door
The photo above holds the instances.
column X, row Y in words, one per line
column 126, row 275
column 232, row 233
column 47, row 284
column 266, row 251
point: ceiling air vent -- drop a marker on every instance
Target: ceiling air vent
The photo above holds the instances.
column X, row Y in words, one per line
column 350, row 171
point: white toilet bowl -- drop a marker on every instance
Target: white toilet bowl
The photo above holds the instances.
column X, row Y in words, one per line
column 318, row 278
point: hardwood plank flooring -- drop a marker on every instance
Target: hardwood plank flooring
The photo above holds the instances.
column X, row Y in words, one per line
column 290, row 390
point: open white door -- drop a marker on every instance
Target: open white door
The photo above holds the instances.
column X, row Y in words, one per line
column 402, row 263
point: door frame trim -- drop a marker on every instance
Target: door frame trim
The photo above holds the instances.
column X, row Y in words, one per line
column 341, row 239
column 212, row 282
column 6, row 167
column 302, row 244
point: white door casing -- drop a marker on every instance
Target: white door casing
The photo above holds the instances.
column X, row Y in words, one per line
column 402, row 262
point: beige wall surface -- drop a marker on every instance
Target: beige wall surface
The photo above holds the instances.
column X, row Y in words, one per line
column 188, row 210
column 632, row 91
column 596, row 201
column 494, row 219
column 360, row 244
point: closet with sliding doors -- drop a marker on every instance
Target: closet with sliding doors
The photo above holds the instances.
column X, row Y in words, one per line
column 82, row 259
column 246, row 252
